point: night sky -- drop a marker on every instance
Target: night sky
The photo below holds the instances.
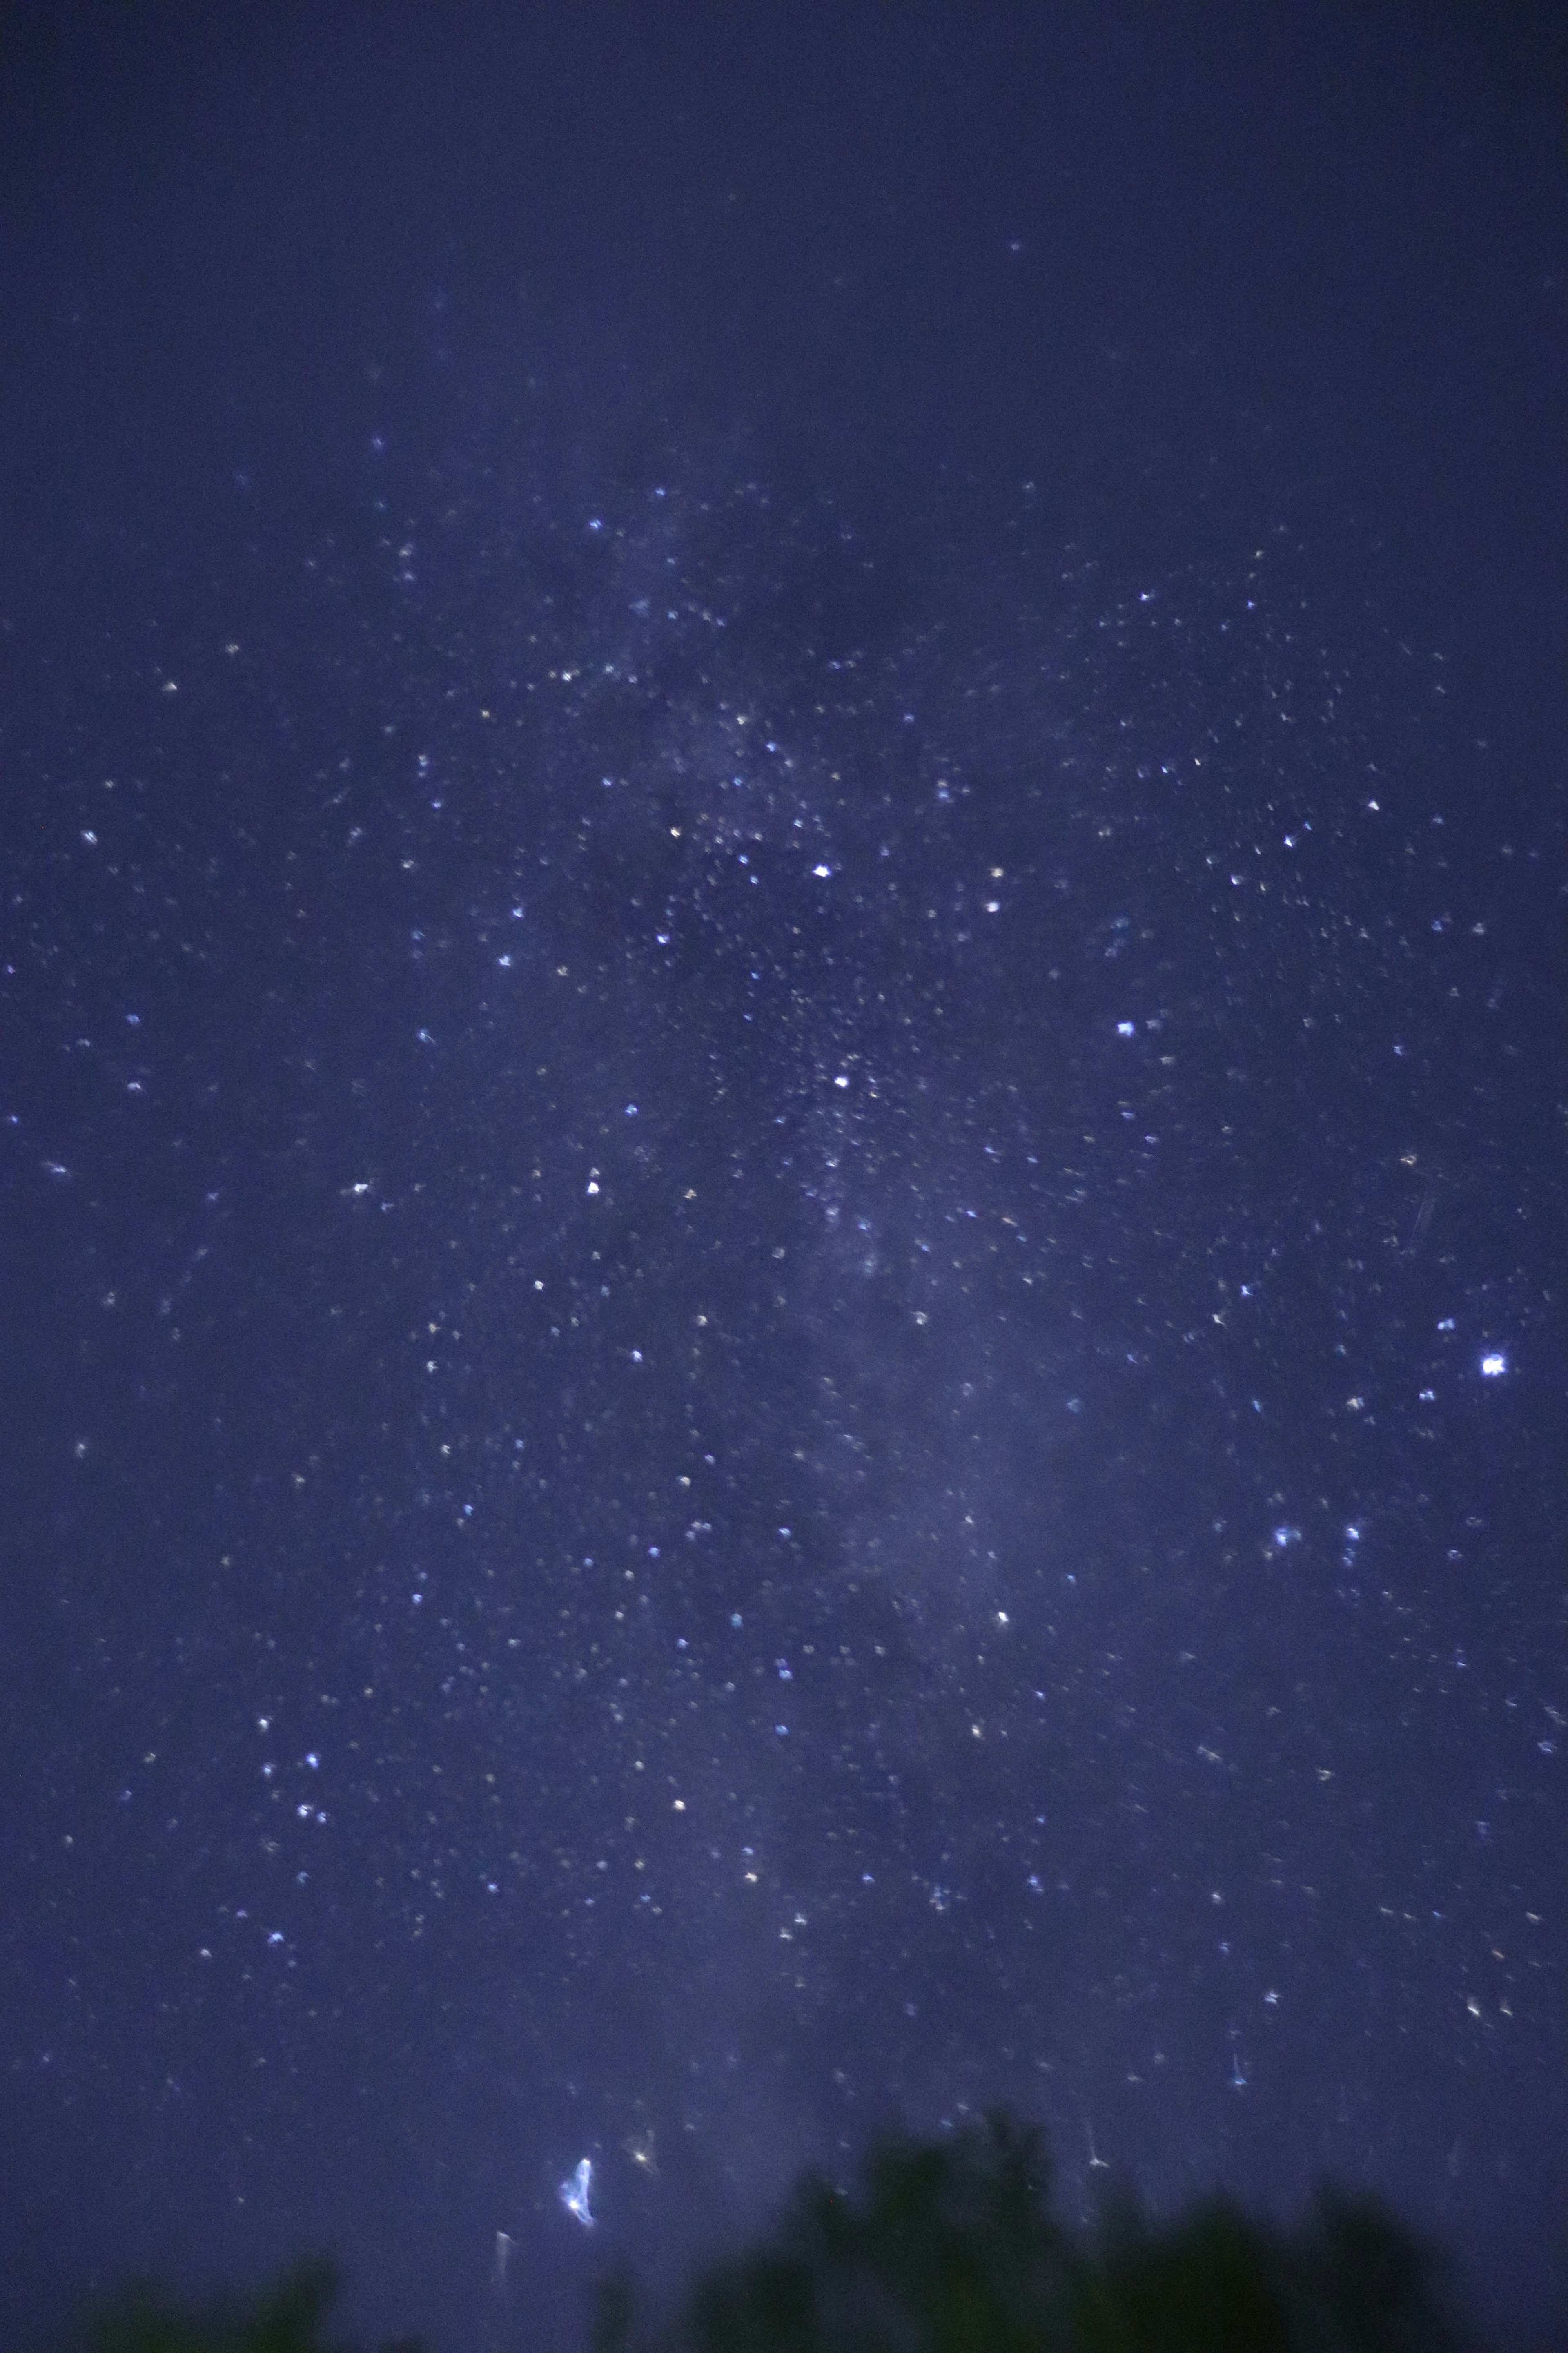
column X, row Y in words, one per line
column 781, row 1076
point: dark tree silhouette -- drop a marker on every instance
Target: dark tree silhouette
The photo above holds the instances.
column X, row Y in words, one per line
column 951, row 2246
column 287, row 2319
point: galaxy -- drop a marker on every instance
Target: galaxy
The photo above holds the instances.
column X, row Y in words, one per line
column 780, row 1133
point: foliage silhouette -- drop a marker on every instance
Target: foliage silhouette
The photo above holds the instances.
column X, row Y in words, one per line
column 286, row 2318
column 952, row 2247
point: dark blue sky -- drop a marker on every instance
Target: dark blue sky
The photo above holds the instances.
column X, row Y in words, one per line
column 780, row 1128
